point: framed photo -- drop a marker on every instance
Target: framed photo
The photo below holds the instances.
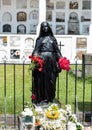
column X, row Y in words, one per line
column 86, row 4
column 60, row 4
column 15, row 54
column 33, row 28
column 73, row 28
column 3, row 40
column 73, row 5
column 60, row 17
column 21, row 4
column 21, row 29
column 81, row 42
column 86, row 17
column 49, row 5
column 6, row 28
column 6, row 2
column 60, row 29
column 49, row 15
column 34, row 3
column 33, row 15
column 85, row 29
column 21, row 16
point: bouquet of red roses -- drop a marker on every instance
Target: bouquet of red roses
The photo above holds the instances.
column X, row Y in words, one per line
column 64, row 63
column 36, row 63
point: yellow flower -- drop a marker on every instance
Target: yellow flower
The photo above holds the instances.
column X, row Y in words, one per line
column 52, row 114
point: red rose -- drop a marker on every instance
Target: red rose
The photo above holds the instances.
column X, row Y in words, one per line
column 33, row 97
column 64, row 63
column 35, row 62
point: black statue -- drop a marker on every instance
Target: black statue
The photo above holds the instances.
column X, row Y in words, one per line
column 44, row 83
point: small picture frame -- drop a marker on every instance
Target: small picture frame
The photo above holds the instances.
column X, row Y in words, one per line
column 15, row 54
column 60, row 4
column 21, row 16
column 60, row 29
column 60, row 17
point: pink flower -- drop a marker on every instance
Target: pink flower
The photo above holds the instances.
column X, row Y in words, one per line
column 64, row 63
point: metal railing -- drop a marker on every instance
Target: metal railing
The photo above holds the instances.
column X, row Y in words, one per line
column 16, row 82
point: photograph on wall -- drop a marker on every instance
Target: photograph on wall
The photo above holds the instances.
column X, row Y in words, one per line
column 86, row 17
column 34, row 3
column 73, row 17
column 15, row 41
column 15, row 54
column 49, row 5
column 73, row 5
column 60, row 17
column 85, row 29
column 29, row 43
column 60, row 4
column 3, row 40
column 21, row 16
column 34, row 15
column 73, row 28
column 6, row 28
column 21, row 29
column 81, row 43
column 60, row 29
column 6, row 2
column 86, row 4
column 33, row 28
column 21, row 4
column 81, row 47
column 49, row 15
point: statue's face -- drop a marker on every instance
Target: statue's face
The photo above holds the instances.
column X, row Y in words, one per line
column 45, row 28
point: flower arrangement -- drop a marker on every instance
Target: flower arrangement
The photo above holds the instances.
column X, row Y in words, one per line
column 64, row 63
column 54, row 118
column 36, row 63
column 61, row 118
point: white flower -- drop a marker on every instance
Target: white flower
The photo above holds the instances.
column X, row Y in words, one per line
column 68, row 109
column 73, row 118
column 27, row 112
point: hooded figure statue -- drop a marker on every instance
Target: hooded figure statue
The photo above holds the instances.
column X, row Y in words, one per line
column 44, row 83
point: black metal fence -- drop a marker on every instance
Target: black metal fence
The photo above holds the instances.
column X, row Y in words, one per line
column 73, row 87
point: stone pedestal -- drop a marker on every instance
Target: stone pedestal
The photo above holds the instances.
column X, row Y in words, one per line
column 87, row 65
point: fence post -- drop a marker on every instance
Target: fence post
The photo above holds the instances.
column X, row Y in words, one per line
column 83, row 76
column 5, row 117
column 23, row 87
column 66, row 87
column 75, row 83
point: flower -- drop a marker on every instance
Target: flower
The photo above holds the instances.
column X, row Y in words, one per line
column 27, row 112
column 36, row 62
column 33, row 97
column 52, row 112
column 64, row 63
column 54, row 117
